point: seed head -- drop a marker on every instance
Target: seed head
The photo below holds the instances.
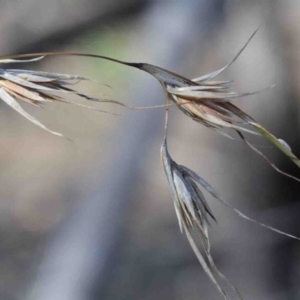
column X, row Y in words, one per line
column 37, row 88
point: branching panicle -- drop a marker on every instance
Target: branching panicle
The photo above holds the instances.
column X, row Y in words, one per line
column 203, row 99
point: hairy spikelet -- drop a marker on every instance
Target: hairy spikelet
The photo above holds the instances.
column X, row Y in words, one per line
column 193, row 212
column 37, row 88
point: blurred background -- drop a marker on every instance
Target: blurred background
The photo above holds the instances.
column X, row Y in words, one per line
column 93, row 218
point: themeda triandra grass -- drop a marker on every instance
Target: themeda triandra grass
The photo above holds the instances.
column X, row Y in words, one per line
column 204, row 99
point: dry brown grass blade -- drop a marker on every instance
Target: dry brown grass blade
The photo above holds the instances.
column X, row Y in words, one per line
column 218, row 72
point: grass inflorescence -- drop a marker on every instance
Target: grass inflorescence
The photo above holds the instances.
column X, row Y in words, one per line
column 203, row 99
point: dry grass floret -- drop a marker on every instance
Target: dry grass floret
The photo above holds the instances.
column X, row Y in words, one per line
column 38, row 88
